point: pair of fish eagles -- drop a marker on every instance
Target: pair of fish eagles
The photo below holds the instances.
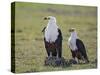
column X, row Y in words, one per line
column 53, row 41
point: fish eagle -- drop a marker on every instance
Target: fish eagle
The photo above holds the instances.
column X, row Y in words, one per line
column 52, row 38
column 77, row 47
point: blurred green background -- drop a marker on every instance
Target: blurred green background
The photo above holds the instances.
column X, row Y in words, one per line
column 30, row 52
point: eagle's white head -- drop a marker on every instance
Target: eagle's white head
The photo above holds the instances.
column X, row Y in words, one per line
column 51, row 31
column 73, row 33
column 51, row 19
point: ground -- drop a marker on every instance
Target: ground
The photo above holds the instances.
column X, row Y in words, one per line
column 30, row 52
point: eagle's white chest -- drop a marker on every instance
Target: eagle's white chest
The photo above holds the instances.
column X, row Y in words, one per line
column 72, row 41
column 51, row 33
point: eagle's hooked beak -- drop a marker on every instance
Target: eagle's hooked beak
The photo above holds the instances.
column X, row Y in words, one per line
column 72, row 29
column 46, row 18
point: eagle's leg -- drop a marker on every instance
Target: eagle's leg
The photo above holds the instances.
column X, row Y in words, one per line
column 76, row 59
column 74, row 56
column 57, row 54
column 79, row 56
column 85, row 60
column 57, row 50
column 50, row 54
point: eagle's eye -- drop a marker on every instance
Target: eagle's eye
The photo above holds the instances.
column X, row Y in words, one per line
column 45, row 18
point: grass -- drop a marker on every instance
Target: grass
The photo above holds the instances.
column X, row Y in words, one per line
column 29, row 45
